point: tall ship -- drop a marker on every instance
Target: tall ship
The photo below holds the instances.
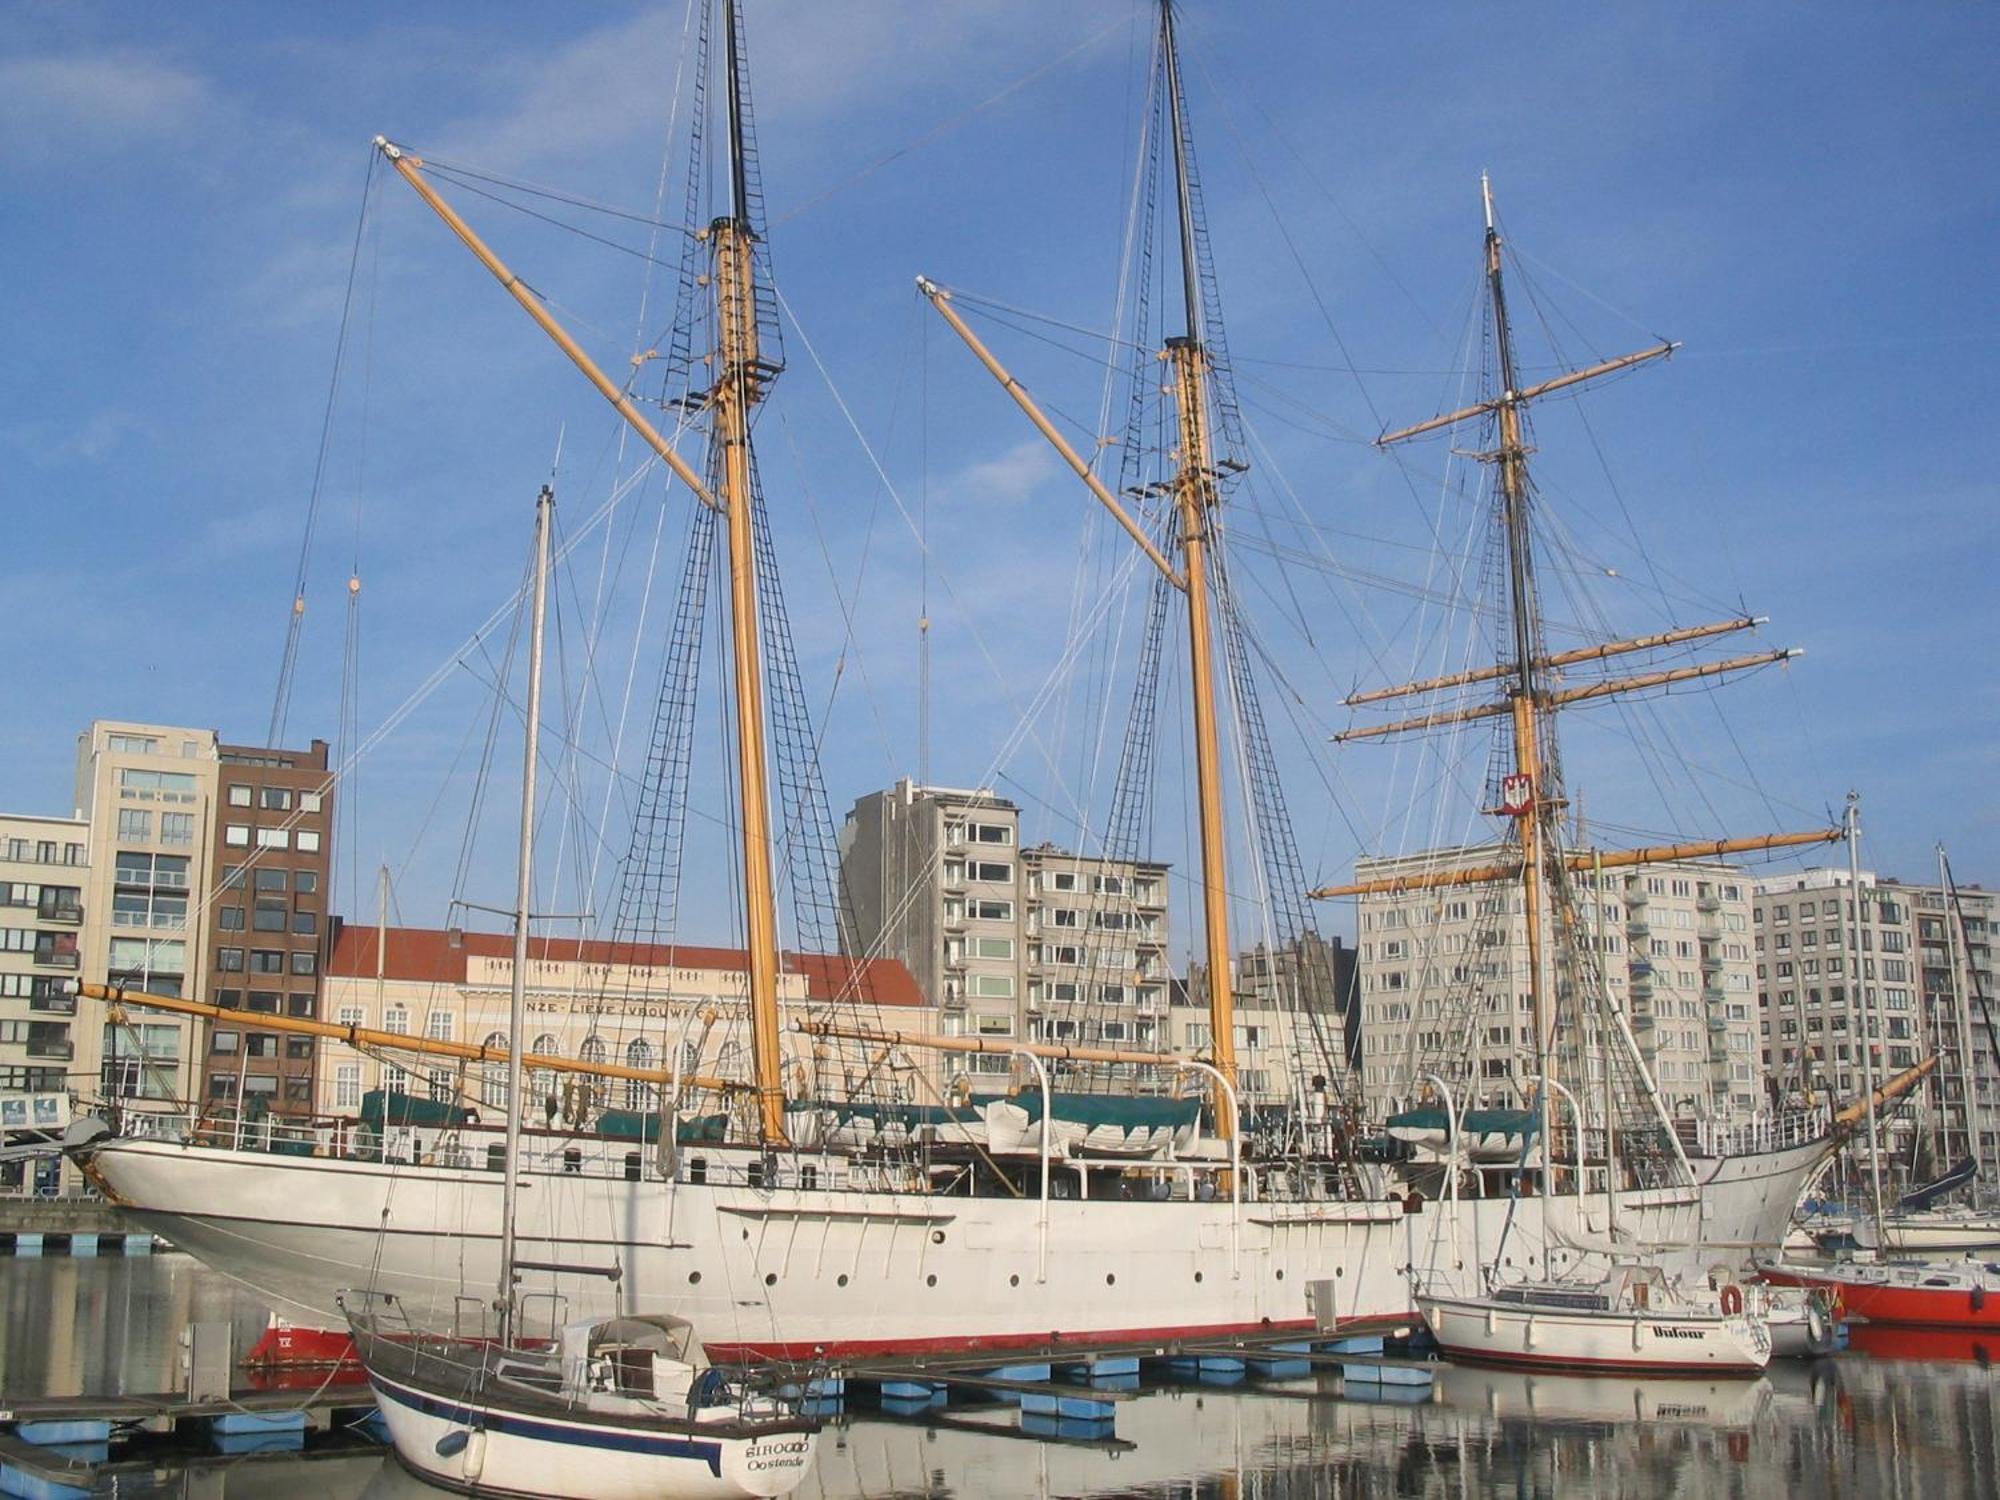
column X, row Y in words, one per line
column 1517, row 1090
column 759, row 1201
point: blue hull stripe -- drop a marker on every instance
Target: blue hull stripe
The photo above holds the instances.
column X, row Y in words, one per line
column 550, row 1432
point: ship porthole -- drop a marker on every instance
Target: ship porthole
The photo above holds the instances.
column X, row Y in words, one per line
column 1281, row 1273
column 1197, row 1276
column 937, row 1236
column 694, row 1278
column 770, row 1278
column 930, row 1281
column 841, row 1279
column 1111, row 1280
column 1013, row 1281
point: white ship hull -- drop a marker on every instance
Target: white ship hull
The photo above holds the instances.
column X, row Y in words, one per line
column 786, row 1272
column 1483, row 1331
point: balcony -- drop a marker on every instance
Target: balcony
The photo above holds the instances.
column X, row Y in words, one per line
column 55, row 1049
column 55, row 958
column 53, row 1005
column 1638, row 927
column 1708, row 904
column 69, row 914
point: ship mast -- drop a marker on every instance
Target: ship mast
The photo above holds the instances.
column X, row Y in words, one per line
column 1196, row 496
column 742, row 376
column 524, row 891
column 1532, row 794
column 740, row 384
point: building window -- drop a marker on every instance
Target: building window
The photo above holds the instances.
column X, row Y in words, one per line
column 310, row 802
column 239, row 795
column 993, row 872
column 177, row 828
column 272, row 916
column 396, row 1019
column 309, row 841
column 991, row 986
column 352, row 1015
column 131, row 744
column 270, row 879
column 992, row 947
column 229, row 918
column 229, row 960
column 236, row 835
column 439, row 1025
column 267, row 961
column 305, row 961
column 135, row 825
column 275, row 798
column 305, row 923
column 305, row 882
column 224, row 1043
column 274, row 838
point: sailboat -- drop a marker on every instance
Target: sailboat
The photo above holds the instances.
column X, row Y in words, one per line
column 1635, row 1178
column 617, row 1408
column 777, row 1245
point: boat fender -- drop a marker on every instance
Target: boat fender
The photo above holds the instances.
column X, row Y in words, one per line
column 1978, row 1298
column 1732, row 1300
column 453, row 1443
column 1819, row 1326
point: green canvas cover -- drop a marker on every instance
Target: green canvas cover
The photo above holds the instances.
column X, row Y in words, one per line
column 630, row 1125
column 381, row 1107
column 1126, row 1111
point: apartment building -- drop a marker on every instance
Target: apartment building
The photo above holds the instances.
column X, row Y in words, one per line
column 1008, row 941
column 625, row 1003
column 1282, row 1046
column 1444, row 973
column 43, row 870
column 264, row 927
column 147, row 792
column 1915, row 993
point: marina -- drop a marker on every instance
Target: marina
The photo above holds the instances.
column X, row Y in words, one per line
column 1387, row 990
column 1919, row 1417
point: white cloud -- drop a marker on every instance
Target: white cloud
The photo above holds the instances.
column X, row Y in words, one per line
column 1005, row 479
column 52, row 106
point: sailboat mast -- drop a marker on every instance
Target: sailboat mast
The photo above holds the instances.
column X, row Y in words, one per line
column 741, row 377
column 524, row 891
column 1527, row 802
column 1196, row 497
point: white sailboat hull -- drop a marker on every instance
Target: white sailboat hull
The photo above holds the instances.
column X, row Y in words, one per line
column 1617, row 1342
column 507, row 1454
column 786, row 1272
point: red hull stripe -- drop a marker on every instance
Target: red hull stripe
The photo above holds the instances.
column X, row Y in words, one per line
column 324, row 1346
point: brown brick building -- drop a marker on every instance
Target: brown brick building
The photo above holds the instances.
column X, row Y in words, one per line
column 266, row 926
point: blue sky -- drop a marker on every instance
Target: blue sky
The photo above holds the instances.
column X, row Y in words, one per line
column 1804, row 194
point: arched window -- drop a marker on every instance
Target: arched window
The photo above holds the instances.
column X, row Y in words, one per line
column 640, row 1095
column 593, row 1049
column 495, row 1089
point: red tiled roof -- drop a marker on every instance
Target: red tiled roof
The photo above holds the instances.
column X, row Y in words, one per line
column 431, row 955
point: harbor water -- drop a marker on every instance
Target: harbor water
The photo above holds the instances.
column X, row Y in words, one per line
column 1904, row 1418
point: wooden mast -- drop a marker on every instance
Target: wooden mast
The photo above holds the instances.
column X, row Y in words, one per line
column 740, row 384
column 1197, row 498
column 741, row 378
column 1527, row 799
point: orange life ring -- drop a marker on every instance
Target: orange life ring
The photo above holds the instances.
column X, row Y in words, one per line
column 1732, row 1300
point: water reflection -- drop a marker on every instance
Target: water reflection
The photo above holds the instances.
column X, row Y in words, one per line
column 1921, row 1425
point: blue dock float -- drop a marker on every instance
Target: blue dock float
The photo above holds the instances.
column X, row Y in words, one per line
column 904, row 1389
column 64, row 1433
column 1206, row 1364
column 1105, row 1369
column 258, row 1432
column 1282, row 1361
column 1368, row 1373
column 1369, row 1344
column 1013, row 1372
